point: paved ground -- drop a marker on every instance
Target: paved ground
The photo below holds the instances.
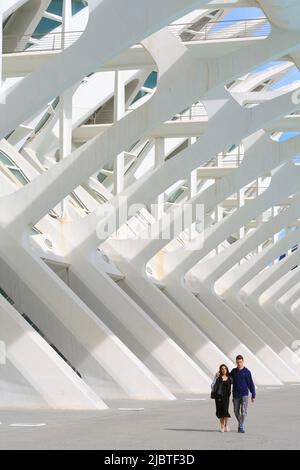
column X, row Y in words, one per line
column 273, row 423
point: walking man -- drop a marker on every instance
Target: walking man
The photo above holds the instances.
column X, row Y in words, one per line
column 242, row 384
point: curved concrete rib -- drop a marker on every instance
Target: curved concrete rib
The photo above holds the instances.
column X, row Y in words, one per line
column 295, row 312
column 44, row 292
column 57, row 385
column 159, row 347
column 144, row 254
column 208, row 272
column 10, row 6
column 80, row 264
column 285, row 304
column 245, row 274
column 24, row 21
column 272, row 287
column 216, row 72
column 209, row 75
column 211, row 271
column 101, row 41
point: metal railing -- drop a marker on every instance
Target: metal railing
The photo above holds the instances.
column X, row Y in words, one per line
column 191, row 114
column 39, row 42
column 227, row 160
column 226, row 29
column 105, row 116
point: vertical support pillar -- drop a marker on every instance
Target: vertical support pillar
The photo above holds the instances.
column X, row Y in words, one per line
column 159, row 156
column 219, row 210
column 259, row 219
column 193, row 183
column 119, row 111
column 193, row 179
column 239, row 161
column 240, row 203
column 275, row 238
column 65, row 101
column 66, row 20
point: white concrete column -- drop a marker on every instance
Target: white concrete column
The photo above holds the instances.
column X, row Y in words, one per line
column 241, row 202
column 65, row 100
column 275, row 238
column 259, row 219
column 219, row 212
column 48, row 377
column 119, row 111
column 65, row 129
column 66, row 20
column 65, row 132
column 159, row 156
column 193, row 180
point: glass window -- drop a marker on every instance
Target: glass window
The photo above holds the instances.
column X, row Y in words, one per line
column 13, row 168
column 19, row 175
column 45, row 26
column 78, row 5
column 5, row 159
column 55, row 7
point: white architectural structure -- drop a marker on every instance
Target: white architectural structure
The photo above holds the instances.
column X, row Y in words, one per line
column 110, row 126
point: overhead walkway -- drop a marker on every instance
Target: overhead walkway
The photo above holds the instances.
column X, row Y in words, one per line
column 33, row 52
column 94, row 40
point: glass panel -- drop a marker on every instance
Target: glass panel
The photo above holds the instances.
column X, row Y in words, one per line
column 78, row 5
column 19, row 175
column 45, row 26
column 5, row 159
column 42, row 122
column 101, row 177
column 55, row 7
column 151, row 81
column 176, row 195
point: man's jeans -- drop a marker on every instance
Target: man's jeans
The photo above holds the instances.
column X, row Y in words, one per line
column 240, row 406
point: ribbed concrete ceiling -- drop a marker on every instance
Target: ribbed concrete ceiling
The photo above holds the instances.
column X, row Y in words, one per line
column 283, row 13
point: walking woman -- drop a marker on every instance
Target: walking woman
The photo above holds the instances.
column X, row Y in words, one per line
column 221, row 391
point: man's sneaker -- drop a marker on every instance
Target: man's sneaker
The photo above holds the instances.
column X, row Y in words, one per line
column 242, row 430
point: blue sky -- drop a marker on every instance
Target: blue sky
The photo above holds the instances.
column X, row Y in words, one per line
column 291, row 76
column 250, row 13
column 244, row 14
column 238, row 14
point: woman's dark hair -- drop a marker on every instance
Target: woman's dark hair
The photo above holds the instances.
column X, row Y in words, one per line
column 220, row 369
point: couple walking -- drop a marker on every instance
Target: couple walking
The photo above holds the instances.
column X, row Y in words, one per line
column 240, row 379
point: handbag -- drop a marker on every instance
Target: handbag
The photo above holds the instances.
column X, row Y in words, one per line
column 213, row 388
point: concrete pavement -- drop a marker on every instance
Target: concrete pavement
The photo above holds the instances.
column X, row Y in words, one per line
column 187, row 423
